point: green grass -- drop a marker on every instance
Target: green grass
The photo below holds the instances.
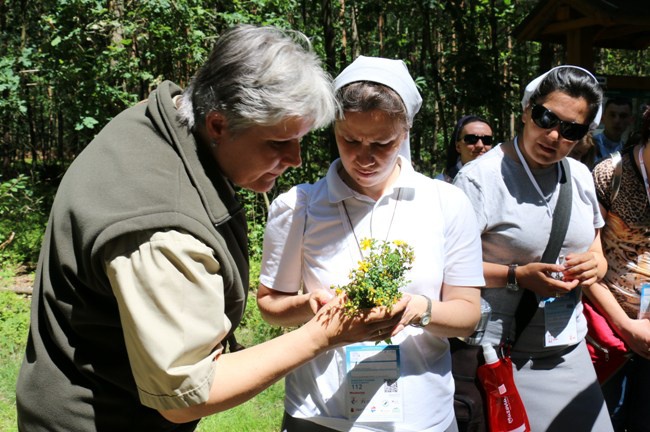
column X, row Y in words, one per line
column 14, row 323
column 260, row 414
column 263, row 413
column 8, row 375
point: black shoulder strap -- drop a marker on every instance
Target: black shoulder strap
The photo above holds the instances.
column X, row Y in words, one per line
column 561, row 216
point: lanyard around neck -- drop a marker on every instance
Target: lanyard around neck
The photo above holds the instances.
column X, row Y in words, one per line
column 390, row 224
column 532, row 179
column 643, row 172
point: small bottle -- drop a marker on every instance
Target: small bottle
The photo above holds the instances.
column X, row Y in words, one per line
column 505, row 409
column 476, row 337
column 559, row 275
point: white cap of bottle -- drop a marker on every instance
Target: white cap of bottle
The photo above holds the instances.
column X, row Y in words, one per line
column 489, row 354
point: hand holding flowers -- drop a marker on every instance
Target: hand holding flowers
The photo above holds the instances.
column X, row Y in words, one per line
column 379, row 277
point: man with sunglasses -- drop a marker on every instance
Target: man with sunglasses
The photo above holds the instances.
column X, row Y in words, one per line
column 617, row 118
column 515, row 190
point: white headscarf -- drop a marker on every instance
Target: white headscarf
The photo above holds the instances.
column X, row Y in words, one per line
column 391, row 73
column 534, row 84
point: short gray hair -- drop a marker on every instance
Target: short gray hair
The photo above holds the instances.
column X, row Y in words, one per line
column 258, row 76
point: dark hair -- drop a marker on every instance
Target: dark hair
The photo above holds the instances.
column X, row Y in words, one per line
column 364, row 96
column 618, row 101
column 452, row 154
column 574, row 82
column 587, row 146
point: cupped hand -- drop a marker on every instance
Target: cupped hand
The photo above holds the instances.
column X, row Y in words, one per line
column 582, row 267
column 538, row 278
column 337, row 327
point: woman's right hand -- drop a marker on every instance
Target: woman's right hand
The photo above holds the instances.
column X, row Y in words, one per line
column 319, row 298
column 636, row 334
column 335, row 327
column 538, row 278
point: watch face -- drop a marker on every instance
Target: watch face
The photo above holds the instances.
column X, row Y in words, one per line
column 425, row 320
column 512, row 287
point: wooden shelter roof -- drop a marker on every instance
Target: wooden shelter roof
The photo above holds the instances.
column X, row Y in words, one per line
column 621, row 24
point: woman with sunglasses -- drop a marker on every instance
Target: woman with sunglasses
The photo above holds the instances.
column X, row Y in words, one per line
column 472, row 137
column 515, row 189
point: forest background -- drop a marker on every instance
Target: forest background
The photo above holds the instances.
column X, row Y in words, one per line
column 68, row 66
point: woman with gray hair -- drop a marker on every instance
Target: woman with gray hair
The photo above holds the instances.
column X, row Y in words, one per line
column 317, row 232
column 143, row 273
column 519, row 190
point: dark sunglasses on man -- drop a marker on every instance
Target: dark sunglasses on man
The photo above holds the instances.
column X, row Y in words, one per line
column 473, row 139
column 546, row 119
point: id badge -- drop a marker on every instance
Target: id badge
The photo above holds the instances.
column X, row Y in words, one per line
column 560, row 319
column 644, row 306
column 374, row 392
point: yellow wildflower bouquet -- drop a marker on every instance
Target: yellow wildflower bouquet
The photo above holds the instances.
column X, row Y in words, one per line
column 378, row 278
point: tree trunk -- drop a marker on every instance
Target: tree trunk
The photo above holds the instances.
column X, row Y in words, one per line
column 329, row 37
column 344, row 37
column 356, row 44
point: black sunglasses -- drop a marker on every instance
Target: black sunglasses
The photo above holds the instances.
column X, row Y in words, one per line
column 473, row 139
column 545, row 119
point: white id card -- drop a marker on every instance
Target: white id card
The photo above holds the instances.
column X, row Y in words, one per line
column 644, row 306
column 374, row 393
column 560, row 319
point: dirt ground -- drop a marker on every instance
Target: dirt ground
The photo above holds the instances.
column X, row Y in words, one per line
column 22, row 283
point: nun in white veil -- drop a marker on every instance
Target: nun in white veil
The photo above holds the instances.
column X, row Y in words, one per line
column 390, row 73
column 315, row 236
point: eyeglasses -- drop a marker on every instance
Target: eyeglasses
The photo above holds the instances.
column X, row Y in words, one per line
column 545, row 119
column 473, row 139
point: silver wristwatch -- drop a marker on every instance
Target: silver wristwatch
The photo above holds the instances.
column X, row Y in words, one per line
column 512, row 284
column 425, row 318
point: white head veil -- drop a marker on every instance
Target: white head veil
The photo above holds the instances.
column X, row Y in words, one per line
column 391, row 73
column 534, row 84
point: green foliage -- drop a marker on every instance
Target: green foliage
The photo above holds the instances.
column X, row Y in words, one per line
column 623, row 62
column 23, row 217
column 10, row 85
column 255, row 207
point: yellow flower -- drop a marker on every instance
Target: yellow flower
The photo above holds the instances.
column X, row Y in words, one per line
column 366, row 244
column 379, row 276
column 364, row 266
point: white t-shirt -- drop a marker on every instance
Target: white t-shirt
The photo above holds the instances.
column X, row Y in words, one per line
column 516, row 224
column 309, row 241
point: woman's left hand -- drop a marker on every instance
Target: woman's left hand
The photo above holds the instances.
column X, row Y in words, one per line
column 582, row 267
column 414, row 310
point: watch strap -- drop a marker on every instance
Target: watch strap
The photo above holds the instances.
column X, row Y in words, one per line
column 512, row 277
